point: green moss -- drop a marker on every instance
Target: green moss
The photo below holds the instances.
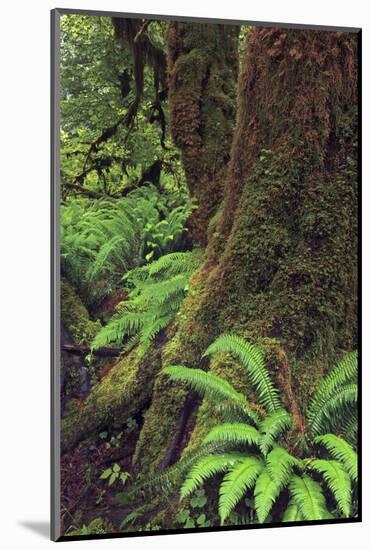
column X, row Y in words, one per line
column 203, row 64
column 122, row 393
column 160, row 423
column 75, row 316
column 98, row 526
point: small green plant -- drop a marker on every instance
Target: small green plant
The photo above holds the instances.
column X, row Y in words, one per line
column 194, row 516
column 114, row 441
column 131, row 424
column 100, row 497
column 113, row 474
column 130, row 519
column 318, row 476
column 158, row 290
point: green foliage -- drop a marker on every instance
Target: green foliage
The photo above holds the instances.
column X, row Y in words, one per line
column 338, row 481
column 253, row 360
column 292, row 513
column 113, row 474
column 254, row 460
column 214, row 388
column 234, row 433
column 103, row 239
column 97, row 91
column 193, row 516
column 280, row 464
column 236, row 482
column 308, row 496
column 336, row 394
column 272, row 426
column 340, row 450
column 266, row 492
column 153, row 302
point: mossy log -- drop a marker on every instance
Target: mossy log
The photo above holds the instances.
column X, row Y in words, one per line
column 121, row 393
column 280, row 267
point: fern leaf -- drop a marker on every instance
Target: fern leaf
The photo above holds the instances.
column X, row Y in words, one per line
column 334, row 413
column 174, row 263
column 308, row 496
column 208, row 466
column 349, row 426
column 280, row 465
column 151, row 330
column 272, row 426
column 237, row 411
column 339, row 449
column 234, row 433
column 126, row 324
column 266, row 493
column 338, row 481
column 172, row 478
column 292, row 513
column 330, row 414
column 212, row 386
column 344, row 372
column 253, row 360
column 235, row 484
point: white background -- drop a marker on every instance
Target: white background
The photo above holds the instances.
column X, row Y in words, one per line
column 24, row 256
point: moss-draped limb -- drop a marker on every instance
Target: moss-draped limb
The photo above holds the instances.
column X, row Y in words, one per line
column 75, row 316
column 280, row 267
column 202, row 68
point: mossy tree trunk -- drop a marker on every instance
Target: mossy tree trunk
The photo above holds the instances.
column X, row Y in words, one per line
column 202, row 76
column 280, row 265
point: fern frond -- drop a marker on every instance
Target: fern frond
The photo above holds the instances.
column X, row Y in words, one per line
column 234, row 433
column 338, row 481
column 237, row 411
column 308, row 496
column 151, row 329
column 280, row 464
column 153, row 304
column 210, row 385
column 101, row 239
column 339, row 449
column 208, row 466
column 169, row 480
column 253, row 360
column 343, row 373
column 160, row 291
column 174, row 264
column 236, row 482
column 331, row 415
column 266, row 493
column 349, row 426
column 272, row 426
column 127, row 323
column 292, row 513
column 103, row 256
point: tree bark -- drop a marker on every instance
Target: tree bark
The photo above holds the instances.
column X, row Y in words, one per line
column 202, row 69
column 280, row 267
